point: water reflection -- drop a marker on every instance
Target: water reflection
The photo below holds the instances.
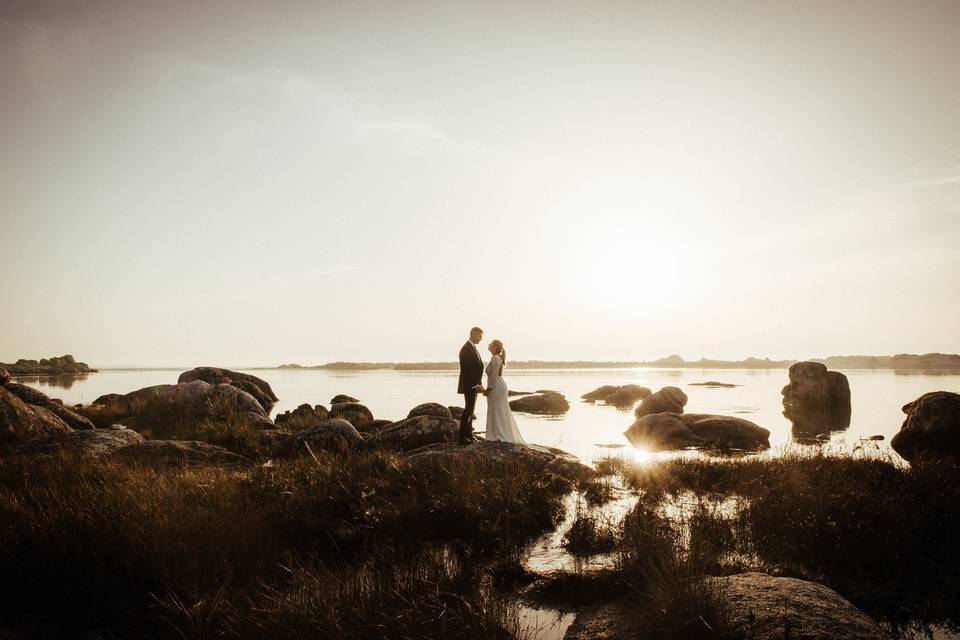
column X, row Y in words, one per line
column 65, row 381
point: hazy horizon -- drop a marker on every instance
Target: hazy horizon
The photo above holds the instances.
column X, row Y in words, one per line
column 241, row 184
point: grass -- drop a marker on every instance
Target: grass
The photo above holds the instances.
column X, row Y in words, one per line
column 362, row 546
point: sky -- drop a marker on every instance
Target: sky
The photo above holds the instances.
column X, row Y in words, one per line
column 247, row 183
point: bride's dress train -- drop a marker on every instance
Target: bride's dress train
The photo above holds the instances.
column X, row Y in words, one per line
column 501, row 426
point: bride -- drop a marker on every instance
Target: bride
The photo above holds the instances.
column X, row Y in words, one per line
column 500, row 423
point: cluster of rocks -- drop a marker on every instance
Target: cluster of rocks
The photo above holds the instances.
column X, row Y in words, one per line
column 622, row 396
column 27, row 414
column 662, row 425
column 816, row 401
column 57, row 366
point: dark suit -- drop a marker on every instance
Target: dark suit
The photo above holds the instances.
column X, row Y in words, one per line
column 471, row 375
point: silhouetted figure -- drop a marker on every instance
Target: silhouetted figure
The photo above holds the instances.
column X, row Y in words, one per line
column 471, row 382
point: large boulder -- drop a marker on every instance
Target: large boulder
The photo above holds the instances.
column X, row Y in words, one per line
column 256, row 387
column 353, row 412
column 178, row 453
column 816, row 400
column 89, row 443
column 4, row 376
column 727, row 432
column 600, row 393
column 761, row 607
column 662, row 432
column 21, row 422
column 416, row 432
column 547, row 403
column 430, row 409
column 179, row 411
column 627, row 395
column 932, row 427
column 335, row 435
column 667, row 400
column 502, row 455
column 769, row 608
column 38, row 399
column 303, row 417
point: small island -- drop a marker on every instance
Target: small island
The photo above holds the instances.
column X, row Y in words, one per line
column 56, row 366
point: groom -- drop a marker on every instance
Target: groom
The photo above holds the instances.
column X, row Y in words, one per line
column 471, row 378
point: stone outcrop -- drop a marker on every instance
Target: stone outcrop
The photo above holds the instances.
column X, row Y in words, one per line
column 177, row 411
column 341, row 398
column 178, row 453
column 4, row 376
column 60, row 366
column 546, row 403
column 369, row 428
column 89, row 443
column 667, row 400
column 816, row 401
column 38, row 399
column 501, row 454
column 335, row 435
column 21, row 422
column 430, row 409
column 353, row 412
column 303, row 417
column 417, row 432
column 931, row 428
column 622, row 396
column 771, row 608
column 256, row 387
column 671, row 431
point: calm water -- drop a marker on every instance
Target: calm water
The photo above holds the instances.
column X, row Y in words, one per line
column 877, row 398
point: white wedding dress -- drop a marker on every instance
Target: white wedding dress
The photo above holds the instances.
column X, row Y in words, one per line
column 501, row 426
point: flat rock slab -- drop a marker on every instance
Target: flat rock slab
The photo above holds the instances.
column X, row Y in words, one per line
column 89, row 443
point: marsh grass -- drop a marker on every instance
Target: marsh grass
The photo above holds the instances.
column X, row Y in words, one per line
column 361, row 546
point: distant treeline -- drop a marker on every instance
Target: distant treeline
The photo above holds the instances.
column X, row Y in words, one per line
column 900, row 361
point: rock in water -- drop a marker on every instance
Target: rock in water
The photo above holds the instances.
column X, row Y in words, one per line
column 548, row 403
column 667, row 400
column 38, row 399
column 816, row 401
column 62, row 366
column 303, row 417
column 259, row 389
column 21, row 422
column 178, row 453
column 600, row 393
column 353, row 412
column 335, row 435
column 417, row 432
column 662, row 432
column 430, row 409
column 771, row 608
column 90, row 443
column 932, row 427
column 727, row 432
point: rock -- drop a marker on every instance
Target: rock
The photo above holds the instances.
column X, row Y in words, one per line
column 63, row 365
column 455, row 412
column 274, row 443
column 713, row 384
column 727, row 432
column 430, row 409
column 667, row 400
column 662, row 432
column 761, row 607
column 932, row 427
column 600, row 393
column 417, row 432
column 511, row 393
column 259, row 389
column 90, row 443
column 303, row 417
column 627, row 395
column 4, row 376
column 353, row 412
column 370, row 428
column 816, row 401
column 21, row 422
column 500, row 454
column 53, row 405
column 335, row 435
column 178, row 453
column 341, row 398
column 769, row 607
column 549, row 403
column 178, row 411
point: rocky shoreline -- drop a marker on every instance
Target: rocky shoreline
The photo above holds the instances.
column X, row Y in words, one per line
column 57, row 366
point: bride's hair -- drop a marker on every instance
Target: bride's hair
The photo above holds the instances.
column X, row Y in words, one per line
column 500, row 351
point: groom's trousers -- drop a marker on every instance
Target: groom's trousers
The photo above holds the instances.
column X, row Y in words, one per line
column 466, row 419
